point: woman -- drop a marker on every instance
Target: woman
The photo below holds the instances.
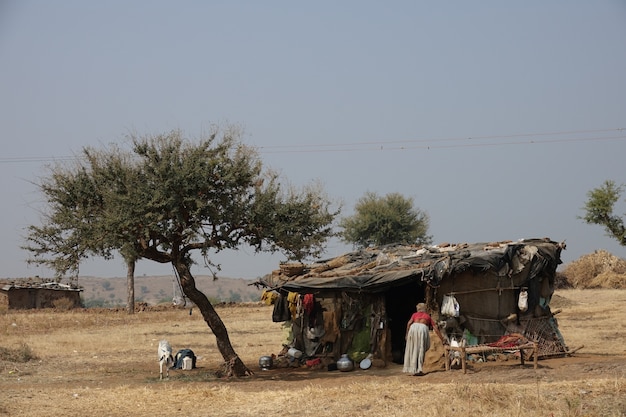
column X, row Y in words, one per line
column 418, row 340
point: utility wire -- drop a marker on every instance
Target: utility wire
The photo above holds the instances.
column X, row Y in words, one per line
column 427, row 144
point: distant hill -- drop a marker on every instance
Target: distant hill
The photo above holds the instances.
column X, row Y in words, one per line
column 109, row 292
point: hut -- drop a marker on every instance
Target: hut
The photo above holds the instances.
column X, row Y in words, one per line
column 359, row 303
column 36, row 293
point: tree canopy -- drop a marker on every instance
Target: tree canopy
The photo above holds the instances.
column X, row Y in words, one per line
column 169, row 197
column 384, row 220
column 599, row 209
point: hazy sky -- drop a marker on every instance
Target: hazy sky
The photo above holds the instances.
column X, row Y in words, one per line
column 496, row 117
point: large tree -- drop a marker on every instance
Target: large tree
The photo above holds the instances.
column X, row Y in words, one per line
column 385, row 220
column 599, row 210
column 170, row 197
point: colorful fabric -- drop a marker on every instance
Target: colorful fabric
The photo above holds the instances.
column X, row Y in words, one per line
column 420, row 315
column 268, row 297
column 309, row 303
column 294, row 300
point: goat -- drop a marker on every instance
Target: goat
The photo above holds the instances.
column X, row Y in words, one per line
column 165, row 358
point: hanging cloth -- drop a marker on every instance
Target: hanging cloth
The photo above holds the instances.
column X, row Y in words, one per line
column 308, row 303
column 281, row 309
column 293, row 298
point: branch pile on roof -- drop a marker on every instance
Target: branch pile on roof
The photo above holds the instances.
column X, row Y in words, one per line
column 373, row 269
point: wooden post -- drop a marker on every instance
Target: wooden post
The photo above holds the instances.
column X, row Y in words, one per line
column 463, row 367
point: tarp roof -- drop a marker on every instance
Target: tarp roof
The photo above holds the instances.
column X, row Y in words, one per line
column 375, row 269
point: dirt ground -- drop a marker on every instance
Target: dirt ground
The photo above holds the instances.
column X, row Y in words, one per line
column 573, row 368
column 591, row 342
column 569, row 368
column 111, row 359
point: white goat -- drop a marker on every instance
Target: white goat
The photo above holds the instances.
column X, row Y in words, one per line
column 165, row 358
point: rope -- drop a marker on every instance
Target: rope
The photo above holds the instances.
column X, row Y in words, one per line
column 484, row 290
column 180, row 286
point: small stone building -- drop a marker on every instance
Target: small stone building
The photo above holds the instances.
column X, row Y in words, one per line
column 26, row 294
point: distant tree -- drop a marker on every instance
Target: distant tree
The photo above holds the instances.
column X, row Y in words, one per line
column 234, row 297
column 383, row 220
column 169, row 198
column 599, row 210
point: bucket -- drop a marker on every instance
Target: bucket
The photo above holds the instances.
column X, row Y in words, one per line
column 187, row 363
column 294, row 353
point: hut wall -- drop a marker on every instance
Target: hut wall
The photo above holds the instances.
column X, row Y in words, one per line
column 22, row 298
column 26, row 298
column 352, row 323
column 4, row 300
column 46, row 298
column 488, row 300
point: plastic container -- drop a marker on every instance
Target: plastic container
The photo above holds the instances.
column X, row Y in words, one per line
column 187, row 363
column 294, row 353
column 365, row 363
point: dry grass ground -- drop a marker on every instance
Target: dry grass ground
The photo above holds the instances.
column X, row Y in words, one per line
column 84, row 363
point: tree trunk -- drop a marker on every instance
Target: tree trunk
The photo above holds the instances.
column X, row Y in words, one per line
column 233, row 364
column 130, row 282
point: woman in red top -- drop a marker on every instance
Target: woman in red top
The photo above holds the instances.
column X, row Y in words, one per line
column 418, row 340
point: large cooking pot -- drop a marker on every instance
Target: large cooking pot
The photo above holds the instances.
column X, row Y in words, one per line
column 345, row 363
column 265, row 362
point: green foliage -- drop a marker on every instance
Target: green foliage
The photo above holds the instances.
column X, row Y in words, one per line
column 385, row 220
column 234, row 297
column 599, row 210
column 168, row 197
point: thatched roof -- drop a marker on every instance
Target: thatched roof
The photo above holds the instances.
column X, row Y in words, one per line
column 375, row 269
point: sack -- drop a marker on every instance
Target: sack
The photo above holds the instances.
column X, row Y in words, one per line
column 522, row 302
column 449, row 306
column 179, row 359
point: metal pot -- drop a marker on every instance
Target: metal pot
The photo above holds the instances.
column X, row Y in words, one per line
column 344, row 363
column 265, row 362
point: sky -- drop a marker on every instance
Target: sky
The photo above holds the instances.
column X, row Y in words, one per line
column 495, row 117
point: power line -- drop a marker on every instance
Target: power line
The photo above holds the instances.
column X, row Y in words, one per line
column 471, row 141
column 409, row 144
column 24, row 159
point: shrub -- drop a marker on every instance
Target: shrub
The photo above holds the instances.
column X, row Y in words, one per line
column 22, row 354
column 63, row 304
column 561, row 281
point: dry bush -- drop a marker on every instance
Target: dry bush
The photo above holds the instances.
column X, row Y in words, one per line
column 561, row 281
column 21, row 354
column 600, row 269
column 63, row 304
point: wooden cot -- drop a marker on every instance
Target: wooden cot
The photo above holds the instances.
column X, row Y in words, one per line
column 465, row 350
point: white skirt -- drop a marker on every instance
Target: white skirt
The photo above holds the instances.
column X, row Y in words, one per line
column 417, row 343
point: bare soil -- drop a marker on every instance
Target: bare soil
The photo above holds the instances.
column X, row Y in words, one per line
column 100, row 363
